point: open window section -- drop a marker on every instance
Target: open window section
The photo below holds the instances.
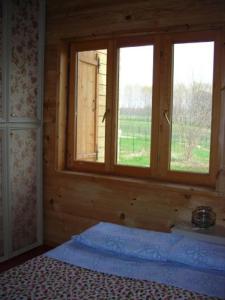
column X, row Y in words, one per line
column 90, row 105
column 134, row 114
column 192, row 94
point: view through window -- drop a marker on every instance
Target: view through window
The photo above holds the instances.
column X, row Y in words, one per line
column 143, row 107
column 192, row 106
column 135, row 106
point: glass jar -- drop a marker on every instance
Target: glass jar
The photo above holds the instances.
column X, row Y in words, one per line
column 203, row 217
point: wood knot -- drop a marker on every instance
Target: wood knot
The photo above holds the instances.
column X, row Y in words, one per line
column 128, row 17
column 122, row 216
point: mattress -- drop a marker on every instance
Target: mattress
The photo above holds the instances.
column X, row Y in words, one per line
column 116, row 262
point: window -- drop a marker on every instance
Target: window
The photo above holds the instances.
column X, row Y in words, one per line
column 144, row 107
column 87, row 111
column 192, row 106
column 90, row 88
column 134, row 106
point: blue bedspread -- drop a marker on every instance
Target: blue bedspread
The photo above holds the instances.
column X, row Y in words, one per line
column 135, row 253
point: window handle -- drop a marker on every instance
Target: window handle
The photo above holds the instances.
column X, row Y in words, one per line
column 104, row 116
column 165, row 113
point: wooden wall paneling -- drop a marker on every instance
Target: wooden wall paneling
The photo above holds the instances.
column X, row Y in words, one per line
column 53, row 158
column 221, row 175
column 66, row 21
column 24, row 47
column 119, row 201
column 24, row 186
column 62, row 92
column 60, row 226
column 74, row 201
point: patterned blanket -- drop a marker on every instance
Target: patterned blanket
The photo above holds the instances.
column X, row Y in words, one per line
column 46, row 278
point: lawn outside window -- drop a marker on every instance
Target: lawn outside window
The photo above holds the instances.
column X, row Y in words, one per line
column 143, row 107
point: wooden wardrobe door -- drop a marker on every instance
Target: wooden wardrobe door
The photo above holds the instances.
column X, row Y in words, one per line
column 24, row 60
column 24, row 186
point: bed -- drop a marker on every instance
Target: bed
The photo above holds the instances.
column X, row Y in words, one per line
column 111, row 261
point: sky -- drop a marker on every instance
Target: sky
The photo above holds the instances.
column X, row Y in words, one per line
column 192, row 62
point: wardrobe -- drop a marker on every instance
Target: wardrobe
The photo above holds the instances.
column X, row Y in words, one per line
column 21, row 94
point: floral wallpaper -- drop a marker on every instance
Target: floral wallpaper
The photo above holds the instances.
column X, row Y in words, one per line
column 1, row 197
column 1, row 104
column 24, row 58
column 23, row 17
column 23, row 173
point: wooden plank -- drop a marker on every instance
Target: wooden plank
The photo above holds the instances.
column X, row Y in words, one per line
column 123, row 203
column 61, row 106
column 220, row 184
column 69, row 22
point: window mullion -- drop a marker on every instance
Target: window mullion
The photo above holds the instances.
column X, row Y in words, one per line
column 216, row 110
column 166, row 64
column 219, row 93
column 156, row 111
column 71, row 112
column 110, row 135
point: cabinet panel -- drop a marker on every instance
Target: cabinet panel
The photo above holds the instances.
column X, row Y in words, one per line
column 24, row 59
column 1, row 53
column 1, row 195
column 23, row 186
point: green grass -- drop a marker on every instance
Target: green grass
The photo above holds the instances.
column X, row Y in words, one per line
column 134, row 151
column 134, row 146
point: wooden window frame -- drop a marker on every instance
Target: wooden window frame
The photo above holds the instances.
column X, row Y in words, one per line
column 165, row 137
column 161, row 101
column 73, row 164
column 133, row 171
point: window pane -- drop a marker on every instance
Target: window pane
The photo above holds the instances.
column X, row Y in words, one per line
column 135, row 106
column 192, row 107
column 91, row 105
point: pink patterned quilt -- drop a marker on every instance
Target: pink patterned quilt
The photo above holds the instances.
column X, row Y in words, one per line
column 46, row 278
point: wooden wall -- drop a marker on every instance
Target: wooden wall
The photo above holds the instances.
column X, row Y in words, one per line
column 73, row 202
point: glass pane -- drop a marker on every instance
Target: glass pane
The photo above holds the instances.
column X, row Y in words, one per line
column 192, row 107
column 135, row 106
column 91, row 105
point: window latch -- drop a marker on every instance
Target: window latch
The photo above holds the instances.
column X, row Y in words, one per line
column 104, row 116
column 165, row 113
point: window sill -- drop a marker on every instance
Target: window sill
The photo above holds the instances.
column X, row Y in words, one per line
column 150, row 183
